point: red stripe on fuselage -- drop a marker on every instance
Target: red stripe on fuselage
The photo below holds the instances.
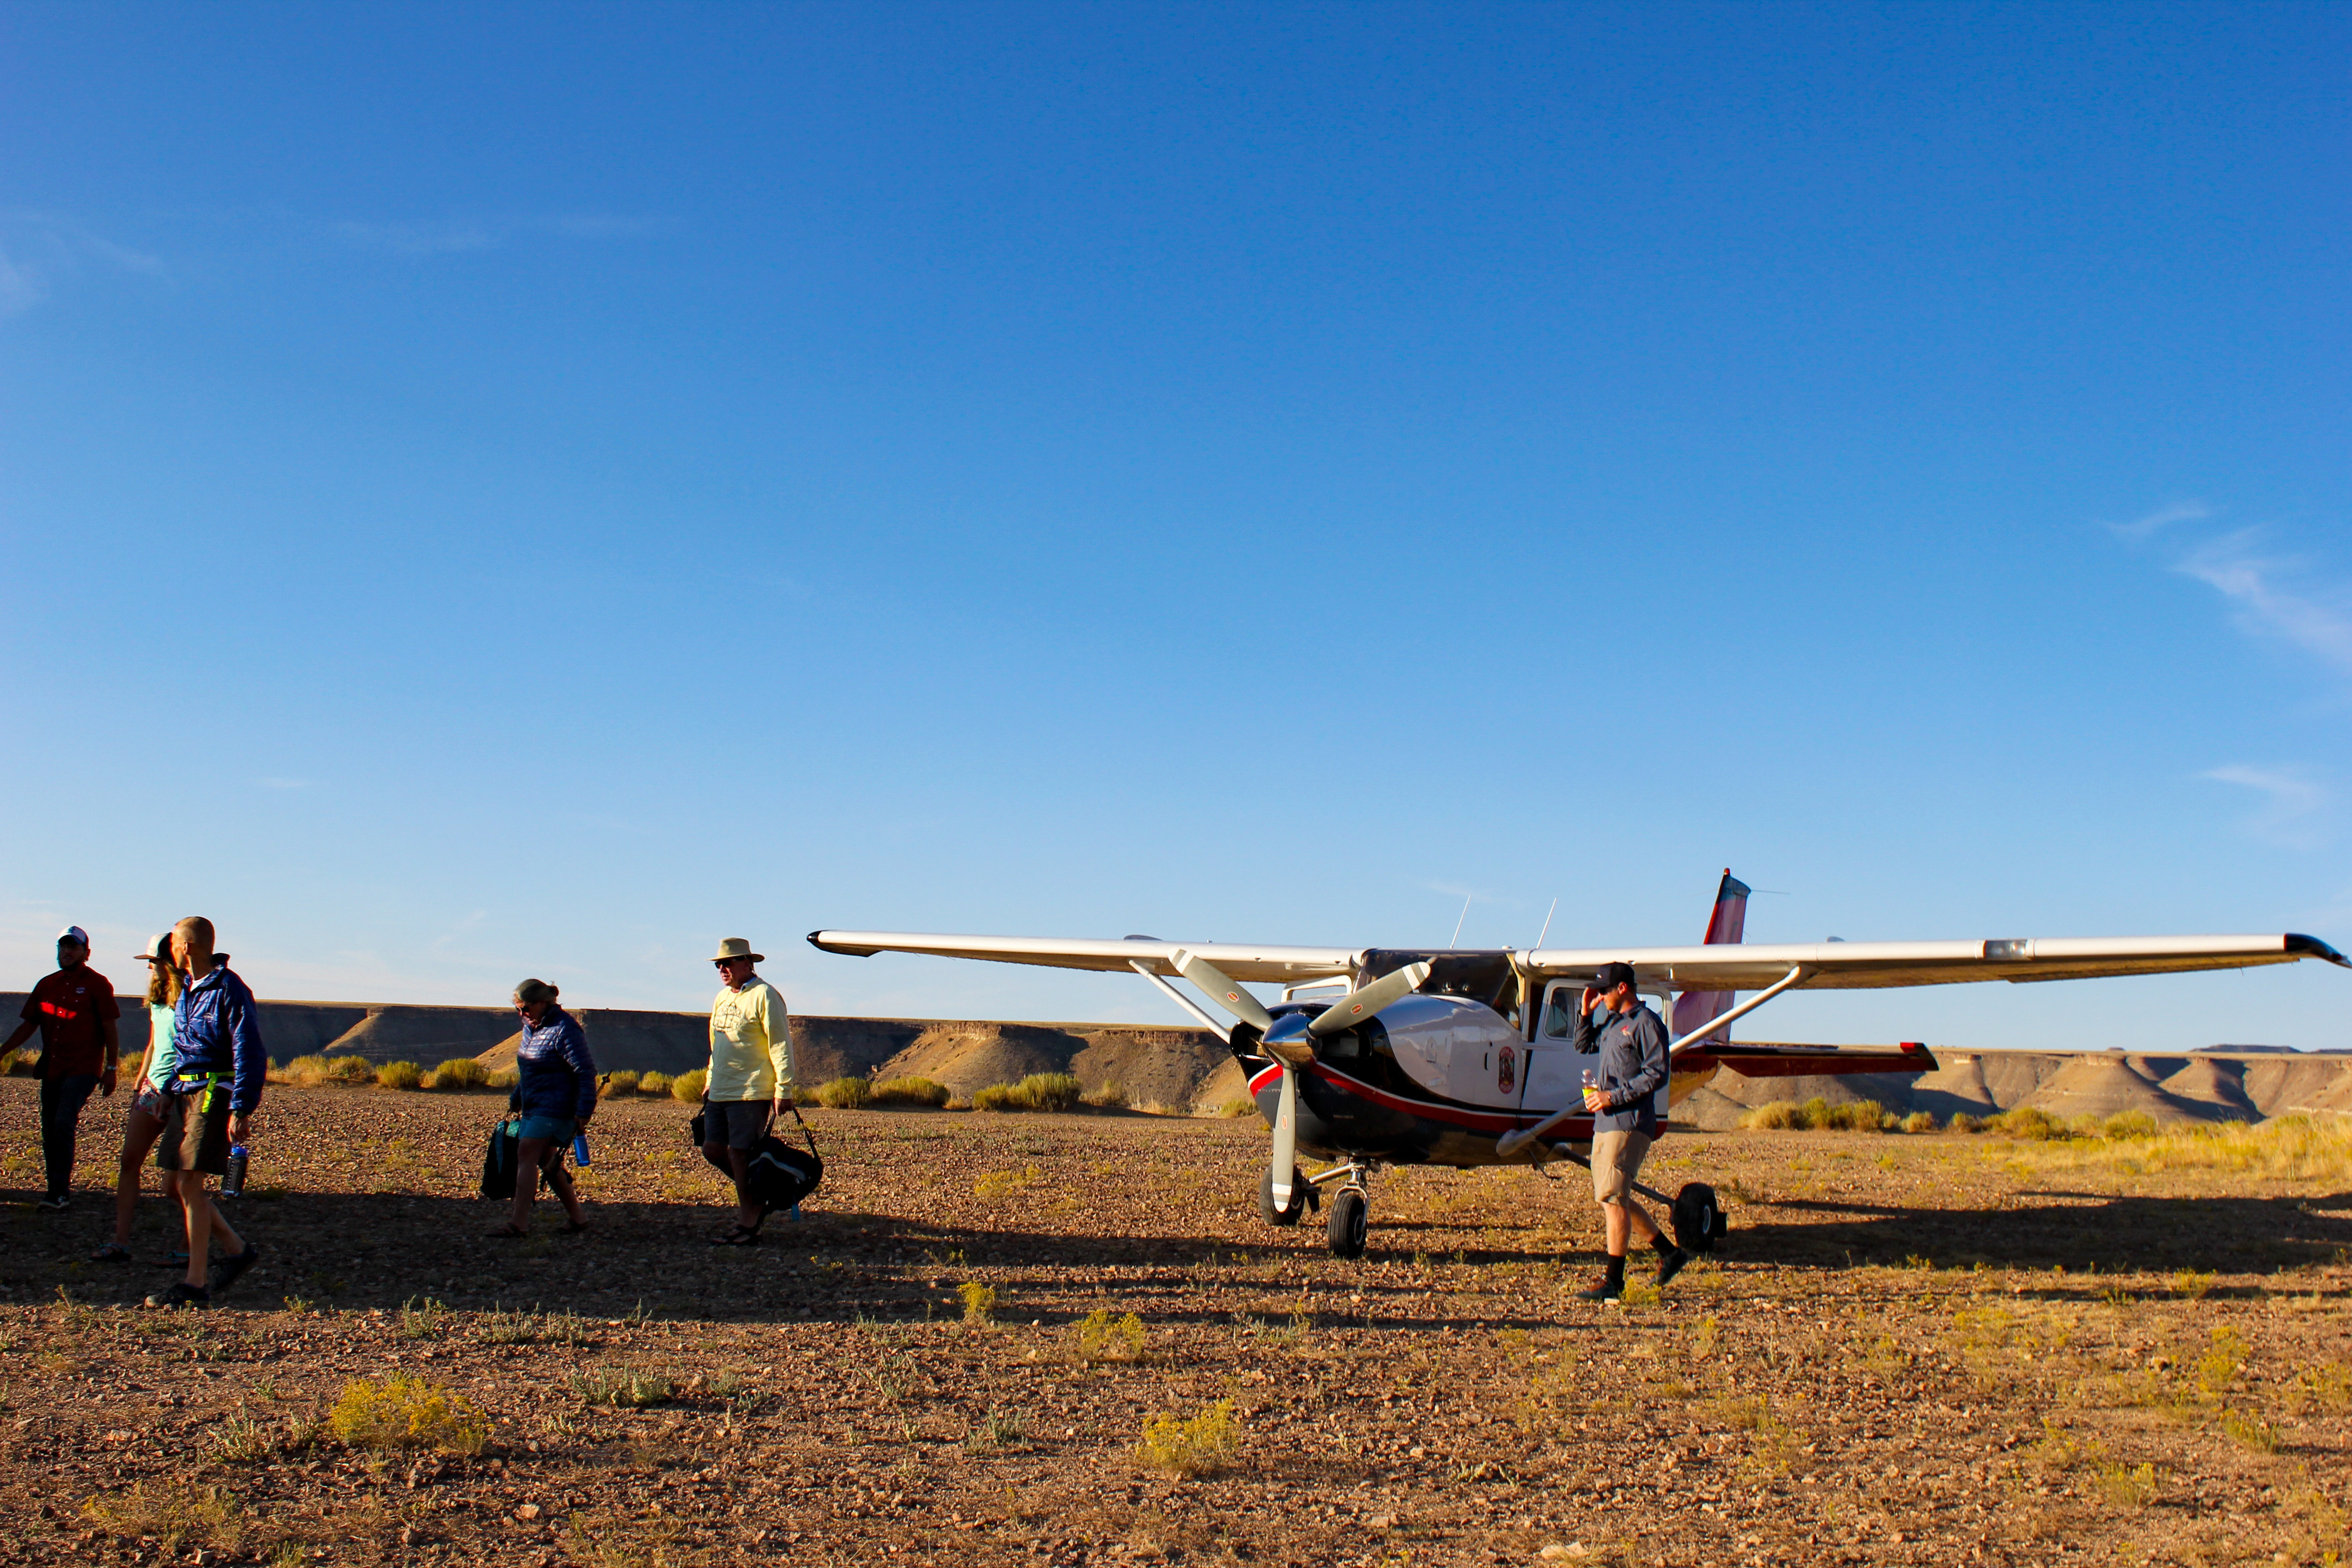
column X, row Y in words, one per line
column 1483, row 1121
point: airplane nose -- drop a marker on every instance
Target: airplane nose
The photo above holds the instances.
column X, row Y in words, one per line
column 1289, row 1042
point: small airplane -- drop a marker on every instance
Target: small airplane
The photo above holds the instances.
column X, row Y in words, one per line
column 1462, row 1057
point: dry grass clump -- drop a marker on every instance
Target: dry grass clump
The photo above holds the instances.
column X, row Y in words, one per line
column 2126, row 1486
column 403, row 1412
column 921, row 1091
column 2288, row 1148
column 1199, row 1446
column 1818, row 1115
column 686, row 1086
column 1239, row 1106
column 622, row 1080
column 1109, row 1097
column 1102, row 1337
column 173, row 1515
column 317, row 1069
column 1919, row 1121
column 505, row 1078
column 979, row 1302
column 620, row 1388
column 1038, row 1091
column 400, row 1075
column 845, row 1094
column 460, row 1073
column 654, row 1083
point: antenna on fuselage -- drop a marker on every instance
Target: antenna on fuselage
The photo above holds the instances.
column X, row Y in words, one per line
column 1546, row 930
column 1465, row 915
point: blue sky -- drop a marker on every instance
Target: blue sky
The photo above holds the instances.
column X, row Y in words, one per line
column 535, row 490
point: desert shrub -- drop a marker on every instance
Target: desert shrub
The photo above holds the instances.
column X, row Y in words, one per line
column 979, row 1301
column 623, row 1080
column 303, row 1069
column 2028, row 1121
column 845, row 1094
column 506, row 1077
column 620, row 1388
column 2129, row 1124
column 1919, row 1121
column 1038, row 1091
column 1102, row 1337
column 688, row 1086
column 1109, row 1097
column 403, row 1412
column 461, row 1072
column 1963, row 1122
column 350, row 1070
column 2126, row 1486
column 1202, row 1446
column 909, row 1091
column 173, row 1514
column 998, row 1097
column 1775, row 1115
column 654, row 1083
column 400, row 1075
column 1814, row 1114
column 1239, row 1106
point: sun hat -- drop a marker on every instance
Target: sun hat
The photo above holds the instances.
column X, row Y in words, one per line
column 535, row 991
column 737, row 947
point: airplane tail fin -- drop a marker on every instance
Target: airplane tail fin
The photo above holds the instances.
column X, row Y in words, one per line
column 1725, row 923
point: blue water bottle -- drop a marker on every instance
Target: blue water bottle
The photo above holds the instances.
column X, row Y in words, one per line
column 580, row 1148
column 233, row 1179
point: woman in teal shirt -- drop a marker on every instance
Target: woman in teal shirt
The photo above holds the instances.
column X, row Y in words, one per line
column 144, row 1122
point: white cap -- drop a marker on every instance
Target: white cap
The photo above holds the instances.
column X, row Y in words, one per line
column 159, row 948
column 74, row 934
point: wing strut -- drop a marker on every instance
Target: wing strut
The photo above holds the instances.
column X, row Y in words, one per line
column 1510, row 1144
column 1181, row 1000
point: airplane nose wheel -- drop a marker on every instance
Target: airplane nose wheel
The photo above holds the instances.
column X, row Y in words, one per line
column 1348, row 1222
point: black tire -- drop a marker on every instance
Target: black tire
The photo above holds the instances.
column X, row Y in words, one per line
column 1349, row 1224
column 1299, row 1192
column 1698, row 1218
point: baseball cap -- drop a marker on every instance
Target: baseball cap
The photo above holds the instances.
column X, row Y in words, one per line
column 159, row 948
column 74, row 934
column 1611, row 975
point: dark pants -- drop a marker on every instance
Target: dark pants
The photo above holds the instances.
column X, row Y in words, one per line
column 62, row 1099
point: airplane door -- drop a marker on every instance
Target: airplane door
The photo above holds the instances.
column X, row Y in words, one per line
column 1553, row 1071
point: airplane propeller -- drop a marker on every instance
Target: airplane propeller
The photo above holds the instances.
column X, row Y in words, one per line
column 1290, row 1041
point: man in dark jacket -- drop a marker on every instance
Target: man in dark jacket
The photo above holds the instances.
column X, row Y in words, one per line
column 1622, row 1093
column 75, row 1011
column 209, row 1105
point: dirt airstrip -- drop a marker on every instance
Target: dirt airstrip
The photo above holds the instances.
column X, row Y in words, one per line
column 1915, row 1348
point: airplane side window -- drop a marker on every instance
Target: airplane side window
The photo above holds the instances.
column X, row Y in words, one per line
column 1560, row 1013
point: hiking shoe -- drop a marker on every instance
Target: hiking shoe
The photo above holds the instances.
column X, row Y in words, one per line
column 113, row 1252
column 56, row 1201
column 1602, row 1288
column 226, row 1272
column 182, row 1294
column 1672, row 1264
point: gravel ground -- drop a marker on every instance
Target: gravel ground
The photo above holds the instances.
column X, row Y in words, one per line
column 1924, row 1350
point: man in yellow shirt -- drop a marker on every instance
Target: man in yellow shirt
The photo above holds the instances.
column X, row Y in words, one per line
column 751, row 1075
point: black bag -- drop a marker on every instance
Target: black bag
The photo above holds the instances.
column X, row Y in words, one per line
column 505, row 1153
column 779, row 1175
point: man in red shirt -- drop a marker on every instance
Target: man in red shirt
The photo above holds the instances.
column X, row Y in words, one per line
column 75, row 1012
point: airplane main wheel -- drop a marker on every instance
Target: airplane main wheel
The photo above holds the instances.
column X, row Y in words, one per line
column 1299, row 1191
column 1699, row 1220
column 1348, row 1223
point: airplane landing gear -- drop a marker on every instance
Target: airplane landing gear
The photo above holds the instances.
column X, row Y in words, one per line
column 1348, row 1222
column 1698, row 1219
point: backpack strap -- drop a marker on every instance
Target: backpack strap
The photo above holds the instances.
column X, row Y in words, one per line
column 805, row 1130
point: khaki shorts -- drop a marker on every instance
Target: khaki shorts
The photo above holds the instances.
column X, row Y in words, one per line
column 196, row 1132
column 1616, row 1161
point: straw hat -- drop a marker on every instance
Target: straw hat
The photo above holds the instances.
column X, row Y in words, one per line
column 737, row 947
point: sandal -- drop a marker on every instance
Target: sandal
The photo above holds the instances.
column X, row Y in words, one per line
column 114, row 1252
column 576, row 1229
column 509, row 1231
column 741, row 1235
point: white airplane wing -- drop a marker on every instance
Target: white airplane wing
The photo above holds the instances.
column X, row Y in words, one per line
column 1828, row 966
column 1870, row 965
column 1281, row 965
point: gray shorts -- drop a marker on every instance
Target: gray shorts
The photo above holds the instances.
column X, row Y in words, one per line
column 736, row 1124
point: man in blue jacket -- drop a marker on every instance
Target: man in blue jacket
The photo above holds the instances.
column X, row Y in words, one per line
column 209, row 1105
column 1623, row 1095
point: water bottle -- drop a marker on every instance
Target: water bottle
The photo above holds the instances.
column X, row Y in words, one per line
column 233, row 1181
column 580, row 1148
column 1592, row 1079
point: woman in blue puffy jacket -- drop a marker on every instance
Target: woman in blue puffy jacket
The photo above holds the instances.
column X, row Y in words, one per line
column 556, row 1095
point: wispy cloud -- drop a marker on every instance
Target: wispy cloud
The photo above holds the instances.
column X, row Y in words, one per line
column 2291, row 808
column 38, row 249
column 453, row 237
column 2160, row 518
column 2268, row 600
